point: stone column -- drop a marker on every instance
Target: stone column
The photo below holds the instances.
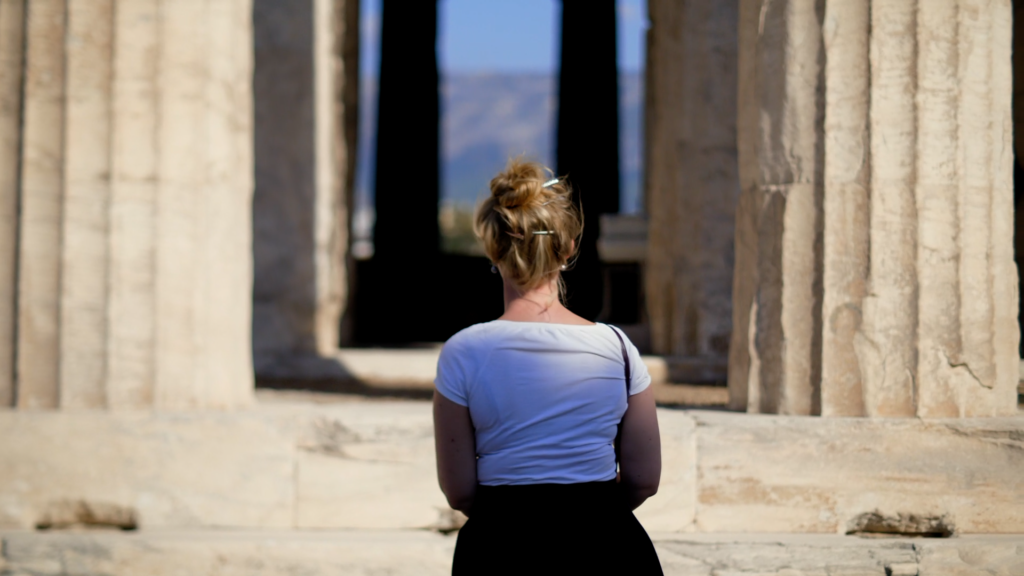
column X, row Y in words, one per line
column 692, row 181
column 305, row 102
column 127, row 270
column 875, row 271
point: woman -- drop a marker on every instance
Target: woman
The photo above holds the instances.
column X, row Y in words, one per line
column 532, row 416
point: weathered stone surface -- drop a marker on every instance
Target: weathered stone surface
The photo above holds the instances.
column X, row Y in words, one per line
column 368, row 468
column 889, row 289
column 931, row 526
column 312, row 553
column 846, row 206
column 776, row 345
column 673, row 508
column 135, row 183
column 691, row 176
column 970, row 556
column 370, row 464
column 780, row 555
column 228, row 553
column 187, row 470
column 304, row 91
column 761, row 473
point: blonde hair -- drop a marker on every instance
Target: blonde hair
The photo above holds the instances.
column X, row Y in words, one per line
column 529, row 230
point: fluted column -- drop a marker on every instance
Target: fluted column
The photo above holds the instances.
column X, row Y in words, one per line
column 12, row 34
column 692, row 182
column 875, row 272
column 134, row 180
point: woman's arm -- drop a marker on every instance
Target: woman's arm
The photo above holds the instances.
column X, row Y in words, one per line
column 640, row 449
column 455, row 444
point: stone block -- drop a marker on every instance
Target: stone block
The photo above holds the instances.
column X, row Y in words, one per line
column 781, row 555
column 368, row 466
column 188, row 470
column 228, row 553
column 673, row 508
column 765, row 474
column 973, row 555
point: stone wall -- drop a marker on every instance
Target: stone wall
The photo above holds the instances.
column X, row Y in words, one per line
column 126, row 163
column 691, row 177
column 306, row 74
column 874, row 268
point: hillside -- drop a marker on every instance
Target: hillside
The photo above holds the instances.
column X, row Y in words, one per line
column 487, row 118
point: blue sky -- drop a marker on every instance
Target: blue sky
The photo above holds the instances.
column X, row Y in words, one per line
column 505, row 35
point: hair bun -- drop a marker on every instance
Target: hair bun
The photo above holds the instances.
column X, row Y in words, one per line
column 520, row 184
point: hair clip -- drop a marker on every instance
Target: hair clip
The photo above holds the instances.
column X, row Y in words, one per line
column 514, row 235
column 544, row 232
column 550, row 183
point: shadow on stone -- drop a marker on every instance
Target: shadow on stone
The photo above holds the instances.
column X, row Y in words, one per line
column 64, row 514
column 876, row 524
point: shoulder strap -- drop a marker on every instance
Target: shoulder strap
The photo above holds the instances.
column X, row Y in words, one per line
column 625, row 360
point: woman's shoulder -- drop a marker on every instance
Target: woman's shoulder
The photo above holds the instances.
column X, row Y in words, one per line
column 470, row 335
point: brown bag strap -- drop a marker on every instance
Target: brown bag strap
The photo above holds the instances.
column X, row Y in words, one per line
column 625, row 360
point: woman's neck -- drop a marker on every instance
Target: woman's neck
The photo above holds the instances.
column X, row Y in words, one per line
column 538, row 305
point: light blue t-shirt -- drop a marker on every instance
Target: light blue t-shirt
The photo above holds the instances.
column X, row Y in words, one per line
column 545, row 399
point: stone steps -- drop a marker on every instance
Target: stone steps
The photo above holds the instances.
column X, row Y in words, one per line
column 330, row 464
column 422, row 552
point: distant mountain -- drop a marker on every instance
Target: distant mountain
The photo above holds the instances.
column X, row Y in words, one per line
column 488, row 118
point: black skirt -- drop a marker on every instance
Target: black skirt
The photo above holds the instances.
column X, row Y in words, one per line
column 553, row 529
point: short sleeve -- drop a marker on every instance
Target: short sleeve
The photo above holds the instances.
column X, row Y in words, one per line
column 451, row 375
column 639, row 375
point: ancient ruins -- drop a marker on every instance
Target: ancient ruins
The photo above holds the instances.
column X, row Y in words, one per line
column 830, row 221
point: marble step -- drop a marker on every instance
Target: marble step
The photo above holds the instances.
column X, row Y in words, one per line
column 425, row 553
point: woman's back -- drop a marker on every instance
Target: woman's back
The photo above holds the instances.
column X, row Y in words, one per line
column 545, row 399
column 528, row 407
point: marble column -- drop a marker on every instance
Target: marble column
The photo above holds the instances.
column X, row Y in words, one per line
column 874, row 272
column 125, row 271
column 305, row 80
column 691, row 177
